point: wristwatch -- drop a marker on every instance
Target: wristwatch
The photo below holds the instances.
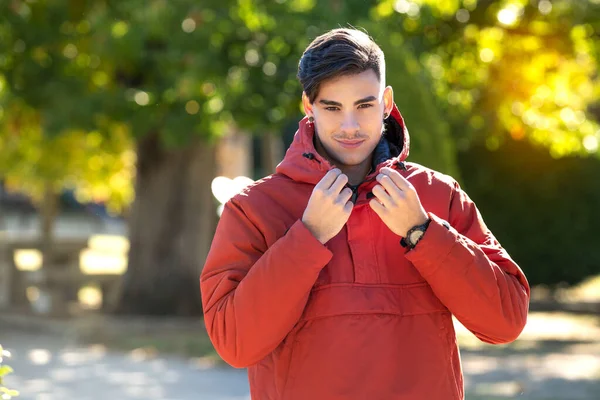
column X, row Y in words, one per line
column 415, row 234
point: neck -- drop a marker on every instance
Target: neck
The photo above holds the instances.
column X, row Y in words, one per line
column 356, row 173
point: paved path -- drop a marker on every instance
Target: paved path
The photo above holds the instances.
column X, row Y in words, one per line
column 556, row 358
column 47, row 368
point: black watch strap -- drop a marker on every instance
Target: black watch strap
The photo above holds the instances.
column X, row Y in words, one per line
column 405, row 241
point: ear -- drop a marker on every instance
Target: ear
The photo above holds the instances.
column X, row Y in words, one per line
column 308, row 108
column 388, row 100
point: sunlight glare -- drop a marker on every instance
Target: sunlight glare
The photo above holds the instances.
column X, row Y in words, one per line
column 508, row 16
column 486, row 55
column 92, row 261
column 28, row 259
column 142, row 98
column 109, row 243
column 39, row 356
column 545, row 7
column 463, row 15
column 402, row 6
column 590, row 143
column 90, row 297
column 188, row 25
column 224, row 188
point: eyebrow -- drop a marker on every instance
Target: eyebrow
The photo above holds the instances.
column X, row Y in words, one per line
column 357, row 102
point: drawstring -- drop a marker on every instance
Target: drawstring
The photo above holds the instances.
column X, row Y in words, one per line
column 310, row 156
column 401, row 165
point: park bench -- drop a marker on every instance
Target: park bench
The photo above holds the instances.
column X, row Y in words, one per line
column 53, row 286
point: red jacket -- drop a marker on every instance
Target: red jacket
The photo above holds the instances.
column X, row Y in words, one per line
column 359, row 317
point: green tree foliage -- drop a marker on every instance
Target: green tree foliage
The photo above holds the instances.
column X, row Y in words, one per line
column 510, row 69
column 52, row 133
column 518, row 80
column 181, row 69
column 544, row 211
column 87, row 87
column 197, row 69
column 167, row 76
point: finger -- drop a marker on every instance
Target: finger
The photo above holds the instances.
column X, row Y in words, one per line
column 377, row 207
column 383, row 197
column 348, row 208
column 399, row 180
column 338, row 184
column 344, row 196
column 393, row 190
column 330, row 177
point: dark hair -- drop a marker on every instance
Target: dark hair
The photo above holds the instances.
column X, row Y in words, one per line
column 335, row 53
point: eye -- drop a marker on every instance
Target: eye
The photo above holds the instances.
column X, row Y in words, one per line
column 365, row 105
column 332, row 108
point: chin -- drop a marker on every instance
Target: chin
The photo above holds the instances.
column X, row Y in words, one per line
column 351, row 161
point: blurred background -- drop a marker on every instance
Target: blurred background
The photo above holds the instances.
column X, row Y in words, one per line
column 125, row 125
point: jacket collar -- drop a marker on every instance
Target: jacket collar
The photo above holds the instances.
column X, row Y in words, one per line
column 302, row 163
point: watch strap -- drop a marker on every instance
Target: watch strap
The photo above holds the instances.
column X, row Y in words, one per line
column 405, row 241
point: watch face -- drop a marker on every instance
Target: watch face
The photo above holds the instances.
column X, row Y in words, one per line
column 416, row 236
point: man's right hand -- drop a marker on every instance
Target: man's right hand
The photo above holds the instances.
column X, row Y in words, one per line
column 328, row 208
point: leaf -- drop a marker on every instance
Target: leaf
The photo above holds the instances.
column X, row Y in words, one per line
column 8, row 393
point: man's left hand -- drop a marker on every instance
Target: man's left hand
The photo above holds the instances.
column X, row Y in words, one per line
column 397, row 202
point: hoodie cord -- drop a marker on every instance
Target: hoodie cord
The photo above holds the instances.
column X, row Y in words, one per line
column 310, row 156
column 401, row 165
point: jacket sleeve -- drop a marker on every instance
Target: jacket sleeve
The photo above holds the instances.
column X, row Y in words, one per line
column 253, row 295
column 472, row 274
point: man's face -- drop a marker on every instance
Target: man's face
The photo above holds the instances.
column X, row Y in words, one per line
column 348, row 114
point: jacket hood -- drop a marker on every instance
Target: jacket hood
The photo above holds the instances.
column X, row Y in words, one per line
column 302, row 162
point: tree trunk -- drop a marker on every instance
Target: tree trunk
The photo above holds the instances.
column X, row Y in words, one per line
column 52, row 298
column 271, row 152
column 48, row 210
column 234, row 154
column 171, row 226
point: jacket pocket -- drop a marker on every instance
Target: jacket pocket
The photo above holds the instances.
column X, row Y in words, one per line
column 455, row 379
column 299, row 346
column 447, row 330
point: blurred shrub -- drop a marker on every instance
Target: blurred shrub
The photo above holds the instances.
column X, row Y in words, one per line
column 544, row 211
column 5, row 393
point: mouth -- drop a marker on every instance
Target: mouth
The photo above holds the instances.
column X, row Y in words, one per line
column 351, row 144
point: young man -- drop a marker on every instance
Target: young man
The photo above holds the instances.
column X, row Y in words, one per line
column 337, row 277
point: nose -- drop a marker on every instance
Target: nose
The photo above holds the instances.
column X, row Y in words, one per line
column 349, row 124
